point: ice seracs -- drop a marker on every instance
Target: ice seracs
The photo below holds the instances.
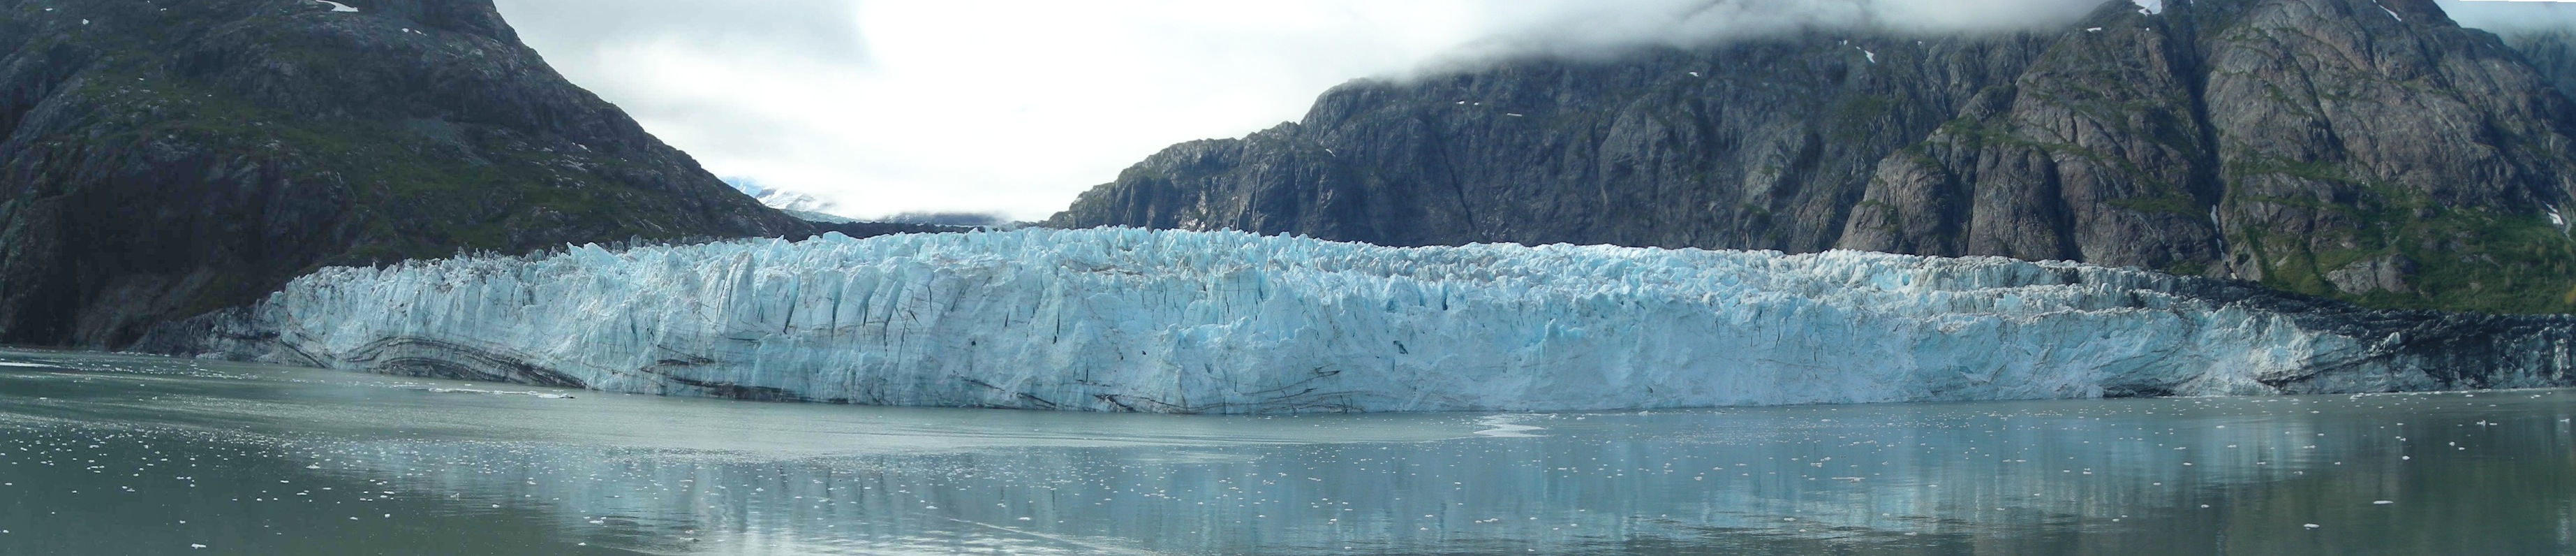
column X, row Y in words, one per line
column 1167, row 321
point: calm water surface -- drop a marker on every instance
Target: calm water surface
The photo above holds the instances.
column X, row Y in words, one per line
column 105, row 455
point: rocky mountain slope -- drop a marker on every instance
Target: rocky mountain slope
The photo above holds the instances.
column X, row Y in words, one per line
column 2553, row 53
column 2373, row 151
column 166, row 158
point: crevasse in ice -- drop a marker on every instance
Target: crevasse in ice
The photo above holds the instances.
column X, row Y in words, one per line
column 1168, row 321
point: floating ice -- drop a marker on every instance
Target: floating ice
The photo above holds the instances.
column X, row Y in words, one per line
column 1167, row 321
column 542, row 395
column 1506, row 426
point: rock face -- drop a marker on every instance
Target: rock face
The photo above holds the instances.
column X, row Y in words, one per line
column 1230, row 322
column 2368, row 150
column 1761, row 145
column 168, row 158
column 2551, row 52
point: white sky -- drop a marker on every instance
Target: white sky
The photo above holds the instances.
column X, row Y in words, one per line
column 1014, row 107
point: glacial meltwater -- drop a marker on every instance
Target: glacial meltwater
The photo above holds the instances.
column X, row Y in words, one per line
column 112, row 455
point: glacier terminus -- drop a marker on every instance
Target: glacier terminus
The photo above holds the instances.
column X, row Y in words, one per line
column 1225, row 322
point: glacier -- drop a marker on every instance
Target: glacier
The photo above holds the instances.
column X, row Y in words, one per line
column 1226, row 322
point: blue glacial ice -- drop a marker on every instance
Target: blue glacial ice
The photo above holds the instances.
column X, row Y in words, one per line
column 1192, row 322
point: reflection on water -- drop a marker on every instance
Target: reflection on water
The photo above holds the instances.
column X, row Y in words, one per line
column 115, row 455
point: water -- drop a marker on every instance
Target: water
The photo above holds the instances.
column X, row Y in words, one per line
column 104, row 455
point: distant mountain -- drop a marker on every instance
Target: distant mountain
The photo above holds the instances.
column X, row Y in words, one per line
column 2373, row 151
column 2553, row 53
column 795, row 204
column 163, row 159
column 802, row 206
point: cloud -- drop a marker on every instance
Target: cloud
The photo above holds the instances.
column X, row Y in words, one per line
column 967, row 105
column 815, row 29
column 2508, row 17
column 1016, row 106
column 1598, row 29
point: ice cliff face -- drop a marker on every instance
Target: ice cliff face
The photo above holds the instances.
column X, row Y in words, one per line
column 1170, row 321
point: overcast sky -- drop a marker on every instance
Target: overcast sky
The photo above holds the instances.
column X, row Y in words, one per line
column 1014, row 107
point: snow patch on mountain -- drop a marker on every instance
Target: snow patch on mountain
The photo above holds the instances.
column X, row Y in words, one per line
column 795, row 202
column 800, row 205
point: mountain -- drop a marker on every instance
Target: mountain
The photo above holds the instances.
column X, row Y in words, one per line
column 792, row 201
column 795, row 204
column 2373, row 151
column 164, row 159
column 2551, row 52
